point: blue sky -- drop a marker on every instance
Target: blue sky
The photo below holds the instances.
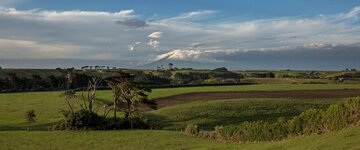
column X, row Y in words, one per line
column 201, row 31
column 230, row 8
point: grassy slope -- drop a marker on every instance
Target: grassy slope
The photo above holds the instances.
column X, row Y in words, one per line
column 287, row 81
column 47, row 104
column 225, row 112
column 295, row 81
column 262, row 87
column 345, row 139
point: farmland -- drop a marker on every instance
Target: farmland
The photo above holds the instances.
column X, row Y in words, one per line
column 206, row 110
column 153, row 75
column 48, row 104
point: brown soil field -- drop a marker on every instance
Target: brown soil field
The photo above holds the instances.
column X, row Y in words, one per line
column 293, row 94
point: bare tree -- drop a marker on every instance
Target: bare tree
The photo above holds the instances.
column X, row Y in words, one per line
column 69, row 95
column 91, row 91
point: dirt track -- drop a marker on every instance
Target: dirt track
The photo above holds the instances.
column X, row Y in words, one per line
column 298, row 94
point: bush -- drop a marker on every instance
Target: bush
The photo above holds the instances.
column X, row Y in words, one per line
column 192, row 130
column 312, row 121
column 334, row 118
column 248, row 131
column 295, row 126
column 352, row 110
column 81, row 119
column 210, row 134
column 207, row 134
column 280, row 129
column 86, row 120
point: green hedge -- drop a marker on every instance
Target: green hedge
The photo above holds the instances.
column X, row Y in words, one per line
column 313, row 121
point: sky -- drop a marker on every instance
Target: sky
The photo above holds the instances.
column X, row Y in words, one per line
column 238, row 34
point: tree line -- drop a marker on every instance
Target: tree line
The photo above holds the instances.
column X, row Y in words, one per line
column 15, row 82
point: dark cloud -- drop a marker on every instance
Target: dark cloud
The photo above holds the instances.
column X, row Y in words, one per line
column 324, row 58
column 132, row 23
column 260, row 39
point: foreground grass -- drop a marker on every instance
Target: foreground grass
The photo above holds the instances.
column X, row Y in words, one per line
column 47, row 104
column 225, row 112
column 345, row 139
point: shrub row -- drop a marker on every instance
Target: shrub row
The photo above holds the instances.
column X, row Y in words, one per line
column 85, row 120
column 313, row 121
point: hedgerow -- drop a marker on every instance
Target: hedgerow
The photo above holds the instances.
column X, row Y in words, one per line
column 312, row 121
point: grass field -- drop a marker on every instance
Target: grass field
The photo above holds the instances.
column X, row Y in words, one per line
column 154, row 139
column 47, row 104
column 225, row 112
column 287, row 81
column 262, row 87
column 206, row 114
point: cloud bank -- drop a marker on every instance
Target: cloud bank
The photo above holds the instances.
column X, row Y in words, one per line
column 124, row 35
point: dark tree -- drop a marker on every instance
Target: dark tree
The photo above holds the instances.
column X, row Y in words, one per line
column 222, row 69
column 171, row 66
column 128, row 93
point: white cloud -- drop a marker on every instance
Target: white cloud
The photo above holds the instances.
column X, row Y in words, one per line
column 320, row 50
column 194, row 15
column 75, row 15
column 22, row 48
column 96, row 35
column 93, row 33
column 153, row 43
column 132, row 46
column 155, row 35
column 353, row 13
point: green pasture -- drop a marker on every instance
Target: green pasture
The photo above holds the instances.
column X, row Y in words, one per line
column 48, row 104
column 207, row 114
column 225, row 112
column 261, row 87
